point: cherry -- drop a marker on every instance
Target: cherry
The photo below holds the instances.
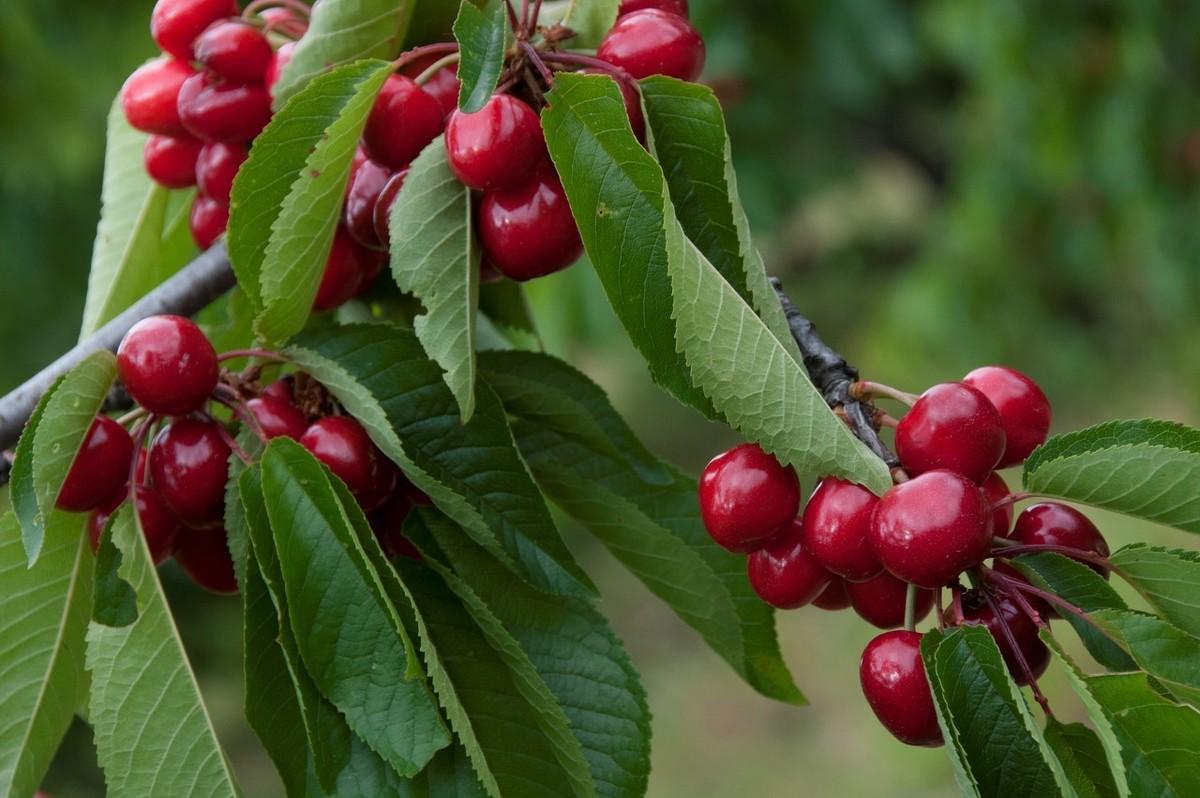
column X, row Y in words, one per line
column 677, row 7
column 1056, row 524
column 189, row 465
column 346, row 269
column 207, row 220
column 150, row 95
column 977, row 611
column 388, row 524
column 995, row 489
column 171, row 160
column 893, row 680
column 167, row 365
column 223, row 111
column 495, row 147
column 216, row 167
column 278, row 61
column 528, row 231
column 342, row 444
column 837, row 529
column 175, row 24
column 444, row 87
column 100, row 470
column 362, row 195
column 234, row 50
column 880, row 601
column 654, row 42
column 403, row 120
column 784, row 574
column 952, row 426
column 280, row 390
column 833, row 597
column 204, row 556
column 1024, row 409
column 932, row 528
column 747, row 497
column 383, row 206
column 278, row 418
column 159, row 526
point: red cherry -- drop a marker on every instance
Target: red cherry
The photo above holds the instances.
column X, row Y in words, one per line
column 167, row 365
column 234, row 50
column 952, row 426
column 995, row 489
column 976, row 610
column 837, row 529
column 388, row 524
column 345, row 271
column 677, row 7
column 150, row 96
column 893, row 680
column 159, row 526
column 189, row 465
column 207, row 221
column 495, row 147
column 342, row 444
column 363, row 191
column 383, row 206
column 280, row 390
column 1055, row 524
column 785, row 575
column 834, row 597
column 175, row 24
column 1024, row 409
column 278, row 418
column 932, row 528
column 444, row 87
column 171, row 160
column 100, row 469
column 216, row 167
column 747, row 498
column 528, row 231
column 880, row 601
column 278, row 61
column 403, row 120
column 223, row 111
column 204, row 556
column 653, row 42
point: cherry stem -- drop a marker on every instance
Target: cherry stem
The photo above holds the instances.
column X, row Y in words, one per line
column 131, row 416
column 292, row 5
column 139, row 442
column 1002, row 622
column 910, row 608
column 436, row 67
column 956, row 603
column 244, row 415
column 535, row 14
column 578, row 59
column 230, row 441
column 941, row 611
column 1013, row 550
column 1058, row 601
column 887, row 420
column 536, row 59
column 441, row 48
column 1020, row 599
column 517, row 28
column 864, row 389
column 261, row 354
column 1018, row 496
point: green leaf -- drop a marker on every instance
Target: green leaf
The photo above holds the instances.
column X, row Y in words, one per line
column 504, row 302
column 1147, row 469
column 153, row 733
column 41, row 646
column 481, row 36
column 590, row 19
column 472, row 471
column 434, row 258
column 114, row 599
column 1167, row 578
column 286, row 197
column 342, row 32
column 1166, row 653
column 1081, row 754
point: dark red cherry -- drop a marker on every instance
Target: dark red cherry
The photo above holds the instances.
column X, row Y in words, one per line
column 952, row 426
column 654, row 42
column 747, row 497
column 1055, row 524
column 207, row 220
column 223, row 111
column 383, row 206
column 280, row 390
column 633, row 103
column 346, row 268
column 932, row 528
column 893, row 680
column 189, row 465
column 175, row 24
column 100, row 469
column 444, row 87
column 216, row 167
column 159, row 526
column 275, row 67
column 388, row 524
column 784, row 574
column 234, row 50
column 495, row 147
column 837, row 529
column 834, row 597
column 402, row 122
column 1024, row 409
column 363, row 190
column 204, row 556
column 976, row 610
column 171, row 160
column 880, row 601
column 679, row 7
column 342, row 444
column 167, row 365
column 278, row 418
column 528, row 231
column 995, row 489
column 150, row 96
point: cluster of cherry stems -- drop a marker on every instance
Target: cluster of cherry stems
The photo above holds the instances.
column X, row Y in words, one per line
column 889, row 557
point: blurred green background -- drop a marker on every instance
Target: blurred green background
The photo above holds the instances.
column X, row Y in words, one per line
column 940, row 184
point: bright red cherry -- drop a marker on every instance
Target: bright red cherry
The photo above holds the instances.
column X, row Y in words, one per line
column 362, row 195
column 678, row 7
column 1055, row 524
column 388, row 524
column 342, row 444
column 880, row 601
column 216, row 167
column 653, row 42
column 171, row 160
column 167, row 365
column 223, row 111
column 204, row 556
column 495, row 147
column 995, row 489
column 837, row 529
column 952, row 426
column 785, row 575
column 189, row 465
column 346, row 269
column 403, row 120
column 175, row 24
column 932, row 528
column 383, row 206
column 893, row 680
column 100, row 469
column 1024, row 409
column 444, row 87
column 278, row 418
column 207, row 220
column 279, row 60
column 834, row 597
column 159, row 526
column 976, row 610
column 747, row 497
column 150, row 96
column 235, row 50
column 528, row 230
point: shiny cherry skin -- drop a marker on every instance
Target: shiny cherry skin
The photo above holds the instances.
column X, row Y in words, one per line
column 495, row 147
column 677, row 7
column 167, row 365
column 654, row 42
column 204, row 556
column 995, row 489
column 528, row 231
column 226, row 112
column 952, row 426
column 747, row 497
column 444, row 87
column 1056, row 524
column 893, row 680
column 150, row 96
column 216, row 166
column 234, row 50
column 837, row 529
column 278, row 418
column 977, row 611
column 207, row 220
column 100, row 469
column 189, row 466
column 175, row 24
column 784, row 574
column 402, row 122
column 932, row 528
column 834, row 597
column 383, row 206
column 880, row 601
column 342, row 444
column 346, row 268
column 362, row 195
column 633, row 103
column 279, row 59
column 1024, row 410
column 388, row 525
column 171, row 160
column 159, row 525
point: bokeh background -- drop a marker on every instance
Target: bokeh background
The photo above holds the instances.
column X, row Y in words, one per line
column 941, row 184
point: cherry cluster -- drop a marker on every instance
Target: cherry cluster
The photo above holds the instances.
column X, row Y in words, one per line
column 890, row 557
column 177, row 476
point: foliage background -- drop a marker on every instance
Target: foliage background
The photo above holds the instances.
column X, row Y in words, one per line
column 940, row 184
